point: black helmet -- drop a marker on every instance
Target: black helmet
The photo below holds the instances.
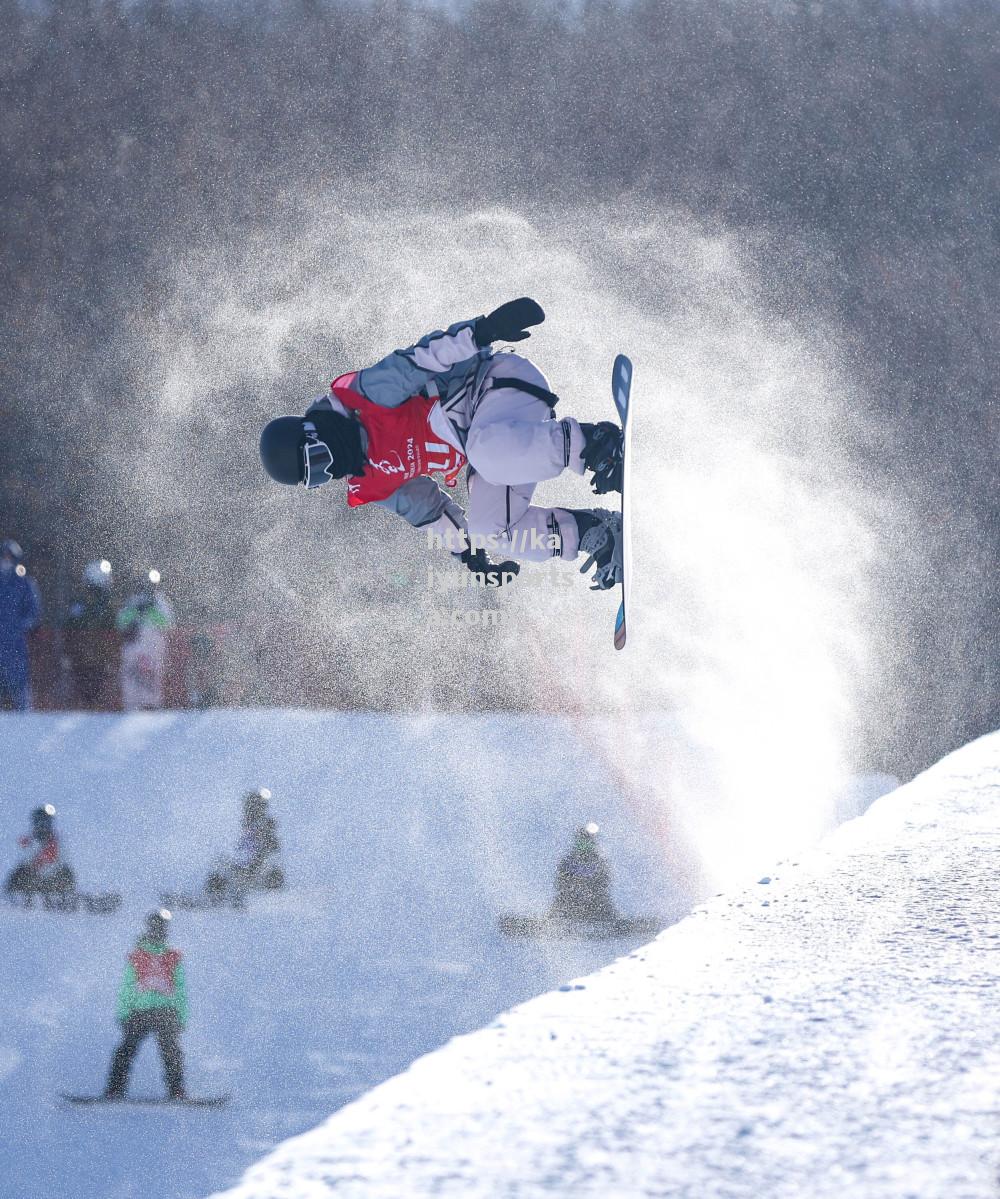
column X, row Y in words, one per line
column 41, row 818
column 255, row 802
column 281, row 445
column 312, row 449
column 157, row 924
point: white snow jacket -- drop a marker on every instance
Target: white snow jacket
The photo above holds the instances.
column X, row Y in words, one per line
column 446, row 366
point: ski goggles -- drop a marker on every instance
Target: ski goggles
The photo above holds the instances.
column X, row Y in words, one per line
column 317, row 458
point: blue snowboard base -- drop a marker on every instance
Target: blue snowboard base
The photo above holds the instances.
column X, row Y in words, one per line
column 621, row 393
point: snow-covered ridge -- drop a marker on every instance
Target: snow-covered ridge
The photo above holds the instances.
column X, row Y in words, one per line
column 830, row 1030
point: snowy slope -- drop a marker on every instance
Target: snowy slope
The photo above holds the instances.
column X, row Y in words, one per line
column 830, row 1030
column 403, row 839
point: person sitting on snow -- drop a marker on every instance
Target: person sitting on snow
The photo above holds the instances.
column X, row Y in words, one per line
column 446, row 403
column 583, row 883
column 152, row 999
column 251, row 865
column 259, row 836
column 42, row 872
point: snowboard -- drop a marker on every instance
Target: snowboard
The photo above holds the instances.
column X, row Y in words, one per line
column 103, row 903
column 558, row 928
column 621, row 393
column 148, row 1101
column 184, row 901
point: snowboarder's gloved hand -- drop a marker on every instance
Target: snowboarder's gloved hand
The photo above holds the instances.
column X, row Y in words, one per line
column 479, row 564
column 601, row 540
column 509, row 322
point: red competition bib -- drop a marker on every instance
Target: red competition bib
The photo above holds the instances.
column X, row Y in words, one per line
column 401, row 445
column 155, row 971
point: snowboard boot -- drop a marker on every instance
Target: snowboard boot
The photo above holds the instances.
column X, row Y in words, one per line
column 604, row 454
column 601, row 541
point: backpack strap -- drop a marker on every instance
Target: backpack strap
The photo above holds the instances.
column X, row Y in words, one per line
column 531, row 389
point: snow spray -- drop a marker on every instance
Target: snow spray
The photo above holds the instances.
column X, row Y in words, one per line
column 724, row 725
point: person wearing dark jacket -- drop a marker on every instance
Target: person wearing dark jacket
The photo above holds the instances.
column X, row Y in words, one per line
column 20, row 614
column 91, row 640
column 583, row 884
column 152, row 999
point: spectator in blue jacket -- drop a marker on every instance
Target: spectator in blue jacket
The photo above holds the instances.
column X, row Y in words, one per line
column 20, row 612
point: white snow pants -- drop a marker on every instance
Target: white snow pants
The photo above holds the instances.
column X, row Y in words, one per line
column 514, row 442
column 142, row 665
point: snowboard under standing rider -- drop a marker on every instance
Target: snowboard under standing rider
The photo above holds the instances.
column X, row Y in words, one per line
column 152, row 1000
column 451, row 402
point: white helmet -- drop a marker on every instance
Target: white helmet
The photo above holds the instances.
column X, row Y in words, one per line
column 97, row 574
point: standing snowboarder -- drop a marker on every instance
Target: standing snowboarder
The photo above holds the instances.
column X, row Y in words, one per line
column 450, row 402
column 143, row 621
column 152, row 999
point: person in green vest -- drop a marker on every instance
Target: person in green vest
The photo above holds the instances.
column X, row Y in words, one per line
column 144, row 621
column 152, row 999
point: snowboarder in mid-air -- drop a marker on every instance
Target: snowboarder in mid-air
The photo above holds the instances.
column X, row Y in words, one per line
column 42, row 872
column 152, row 999
column 446, row 403
column 583, row 882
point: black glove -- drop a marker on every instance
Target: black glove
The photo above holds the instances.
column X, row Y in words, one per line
column 509, row 322
column 494, row 572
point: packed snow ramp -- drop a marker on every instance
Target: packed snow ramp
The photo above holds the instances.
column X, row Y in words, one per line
column 830, row 1030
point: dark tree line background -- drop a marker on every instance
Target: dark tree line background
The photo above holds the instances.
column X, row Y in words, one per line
column 868, row 130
